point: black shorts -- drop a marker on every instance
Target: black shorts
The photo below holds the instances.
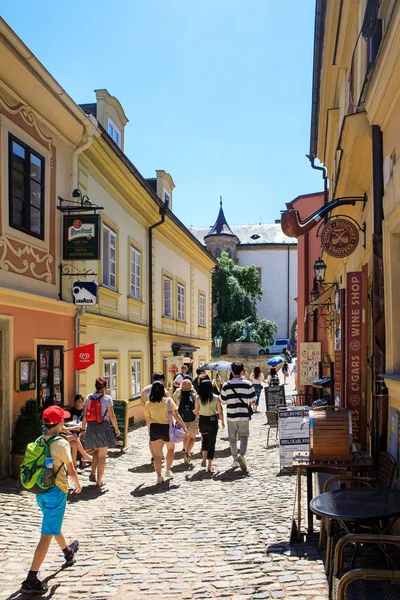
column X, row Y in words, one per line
column 159, row 431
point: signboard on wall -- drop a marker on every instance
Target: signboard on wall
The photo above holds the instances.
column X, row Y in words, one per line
column 339, row 316
column 354, row 350
column 294, row 434
column 309, row 358
column 121, row 414
column 81, row 237
column 339, row 238
column 174, row 365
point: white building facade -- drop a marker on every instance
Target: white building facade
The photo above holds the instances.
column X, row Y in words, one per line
column 272, row 253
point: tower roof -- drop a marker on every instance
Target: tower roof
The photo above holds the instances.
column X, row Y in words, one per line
column 220, row 226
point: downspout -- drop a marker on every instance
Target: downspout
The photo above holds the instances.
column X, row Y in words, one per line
column 380, row 395
column 288, row 289
column 324, row 177
column 163, row 211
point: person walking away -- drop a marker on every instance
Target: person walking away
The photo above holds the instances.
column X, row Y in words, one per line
column 97, row 419
column 273, row 377
column 200, row 375
column 237, row 393
column 208, row 407
column 145, row 395
column 179, row 377
column 257, row 379
column 53, row 502
column 285, row 371
column 156, row 415
column 184, row 398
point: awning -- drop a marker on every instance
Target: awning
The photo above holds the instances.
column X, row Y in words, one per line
column 322, row 299
column 177, row 347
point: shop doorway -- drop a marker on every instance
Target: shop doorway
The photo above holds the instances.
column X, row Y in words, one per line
column 5, row 396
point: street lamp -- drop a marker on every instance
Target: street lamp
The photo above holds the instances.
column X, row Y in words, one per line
column 218, row 344
column 319, row 270
column 314, row 292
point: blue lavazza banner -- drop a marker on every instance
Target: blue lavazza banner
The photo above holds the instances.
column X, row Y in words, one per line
column 294, row 434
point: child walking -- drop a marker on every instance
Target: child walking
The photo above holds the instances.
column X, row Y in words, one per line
column 53, row 502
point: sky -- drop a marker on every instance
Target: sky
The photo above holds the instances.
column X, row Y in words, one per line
column 217, row 92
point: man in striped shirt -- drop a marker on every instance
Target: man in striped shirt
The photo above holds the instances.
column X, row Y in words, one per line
column 236, row 394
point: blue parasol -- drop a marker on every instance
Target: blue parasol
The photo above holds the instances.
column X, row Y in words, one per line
column 219, row 365
column 275, row 360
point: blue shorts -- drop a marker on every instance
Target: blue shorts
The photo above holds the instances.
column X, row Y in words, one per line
column 52, row 505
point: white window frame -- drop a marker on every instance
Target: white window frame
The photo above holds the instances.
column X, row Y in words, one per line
column 202, row 310
column 114, row 132
column 109, row 257
column 167, row 308
column 110, row 371
column 167, row 196
column 136, row 374
column 180, row 295
column 135, row 257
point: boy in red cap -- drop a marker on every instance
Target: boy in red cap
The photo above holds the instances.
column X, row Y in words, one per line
column 53, row 502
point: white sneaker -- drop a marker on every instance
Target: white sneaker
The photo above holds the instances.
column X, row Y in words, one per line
column 169, row 474
column 160, row 480
column 235, row 465
column 242, row 462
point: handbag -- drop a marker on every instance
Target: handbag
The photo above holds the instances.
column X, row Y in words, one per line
column 249, row 408
column 176, row 433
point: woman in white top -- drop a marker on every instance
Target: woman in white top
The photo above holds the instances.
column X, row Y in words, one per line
column 257, row 379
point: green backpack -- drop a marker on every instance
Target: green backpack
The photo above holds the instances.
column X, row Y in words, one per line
column 35, row 476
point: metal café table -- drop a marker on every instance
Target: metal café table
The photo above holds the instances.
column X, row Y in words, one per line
column 356, row 505
column 361, row 464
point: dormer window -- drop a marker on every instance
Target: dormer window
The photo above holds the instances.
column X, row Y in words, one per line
column 167, row 198
column 255, row 236
column 114, row 132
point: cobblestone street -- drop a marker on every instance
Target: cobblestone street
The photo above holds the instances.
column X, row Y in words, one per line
column 196, row 536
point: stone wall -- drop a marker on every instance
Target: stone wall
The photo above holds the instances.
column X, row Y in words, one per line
column 250, row 362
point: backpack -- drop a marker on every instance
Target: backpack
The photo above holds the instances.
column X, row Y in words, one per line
column 186, row 407
column 34, row 475
column 93, row 411
column 274, row 380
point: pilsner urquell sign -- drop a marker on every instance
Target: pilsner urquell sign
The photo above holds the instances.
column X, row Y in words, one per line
column 81, row 237
column 354, row 349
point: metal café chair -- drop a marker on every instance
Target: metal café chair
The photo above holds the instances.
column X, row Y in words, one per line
column 272, row 422
column 384, row 478
column 365, row 583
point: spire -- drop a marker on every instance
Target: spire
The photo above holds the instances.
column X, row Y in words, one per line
column 220, row 226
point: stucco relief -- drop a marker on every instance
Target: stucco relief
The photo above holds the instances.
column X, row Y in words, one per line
column 17, row 257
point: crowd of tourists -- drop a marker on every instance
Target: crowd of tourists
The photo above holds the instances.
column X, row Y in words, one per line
column 195, row 408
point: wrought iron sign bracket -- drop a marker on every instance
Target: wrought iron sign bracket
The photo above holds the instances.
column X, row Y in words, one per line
column 325, row 318
column 70, row 271
column 84, row 205
column 362, row 228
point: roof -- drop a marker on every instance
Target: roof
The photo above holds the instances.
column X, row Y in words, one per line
column 269, row 233
column 220, row 226
column 89, row 109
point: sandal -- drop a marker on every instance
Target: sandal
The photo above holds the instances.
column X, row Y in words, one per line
column 92, row 478
column 100, row 485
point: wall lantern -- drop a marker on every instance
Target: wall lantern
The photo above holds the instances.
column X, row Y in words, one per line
column 319, row 270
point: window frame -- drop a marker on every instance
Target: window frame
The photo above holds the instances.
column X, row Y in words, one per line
column 133, row 248
column 110, row 388
column 135, row 359
column 202, row 317
column 167, row 277
column 107, row 284
column 115, row 129
column 27, row 188
column 180, row 312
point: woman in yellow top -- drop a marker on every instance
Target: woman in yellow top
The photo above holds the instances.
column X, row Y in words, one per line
column 156, row 415
column 208, row 406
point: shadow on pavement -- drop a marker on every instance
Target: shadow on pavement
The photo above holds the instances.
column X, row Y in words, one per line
column 19, row 595
column 159, row 488
column 89, row 492
column 146, row 468
column 231, row 475
column 200, row 476
column 223, row 453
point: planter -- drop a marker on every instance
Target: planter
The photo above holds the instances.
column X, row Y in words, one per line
column 16, row 462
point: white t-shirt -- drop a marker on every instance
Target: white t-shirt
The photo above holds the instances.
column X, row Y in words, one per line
column 257, row 380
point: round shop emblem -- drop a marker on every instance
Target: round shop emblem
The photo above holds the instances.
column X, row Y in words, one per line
column 354, row 400
column 355, row 346
column 339, row 238
column 77, row 224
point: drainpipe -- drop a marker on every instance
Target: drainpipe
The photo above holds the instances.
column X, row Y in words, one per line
column 163, row 211
column 288, row 289
column 380, row 393
column 324, row 176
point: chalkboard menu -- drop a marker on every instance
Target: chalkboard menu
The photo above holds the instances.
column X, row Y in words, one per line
column 275, row 397
column 121, row 414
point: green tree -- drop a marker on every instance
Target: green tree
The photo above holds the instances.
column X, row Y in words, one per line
column 235, row 291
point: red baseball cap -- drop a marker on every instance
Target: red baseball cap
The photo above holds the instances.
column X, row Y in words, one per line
column 54, row 415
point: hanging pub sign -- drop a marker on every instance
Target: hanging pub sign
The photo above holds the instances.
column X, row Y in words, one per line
column 339, row 238
column 81, row 237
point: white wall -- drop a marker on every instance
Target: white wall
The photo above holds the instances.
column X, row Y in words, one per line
column 274, row 280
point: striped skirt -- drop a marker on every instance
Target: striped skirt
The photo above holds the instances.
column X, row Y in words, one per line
column 99, row 435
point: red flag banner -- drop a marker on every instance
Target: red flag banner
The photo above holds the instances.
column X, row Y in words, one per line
column 83, row 357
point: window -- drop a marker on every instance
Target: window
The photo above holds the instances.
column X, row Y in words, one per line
column 202, row 310
column 110, row 370
column 229, row 253
column 50, row 361
column 167, row 198
column 114, row 132
column 218, row 253
column 136, row 376
column 135, row 257
column 167, row 297
column 109, row 257
column 26, row 188
column 181, row 302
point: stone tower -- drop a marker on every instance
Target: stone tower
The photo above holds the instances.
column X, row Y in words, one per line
column 221, row 238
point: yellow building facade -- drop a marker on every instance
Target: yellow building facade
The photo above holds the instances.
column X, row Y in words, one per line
column 355, row 135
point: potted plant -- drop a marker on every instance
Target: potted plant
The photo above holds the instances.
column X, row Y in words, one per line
column 28, row 428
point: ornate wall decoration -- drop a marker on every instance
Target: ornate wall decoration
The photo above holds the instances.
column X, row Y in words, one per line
column 17, row 257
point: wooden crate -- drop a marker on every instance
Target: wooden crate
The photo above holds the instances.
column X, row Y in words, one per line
column 331, row 435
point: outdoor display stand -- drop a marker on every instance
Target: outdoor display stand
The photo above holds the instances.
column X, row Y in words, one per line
column 294, row 434
column 274, row 397
column 331, row 436
column 121, row 414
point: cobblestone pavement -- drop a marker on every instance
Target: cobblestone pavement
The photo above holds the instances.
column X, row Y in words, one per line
column 224, row 535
